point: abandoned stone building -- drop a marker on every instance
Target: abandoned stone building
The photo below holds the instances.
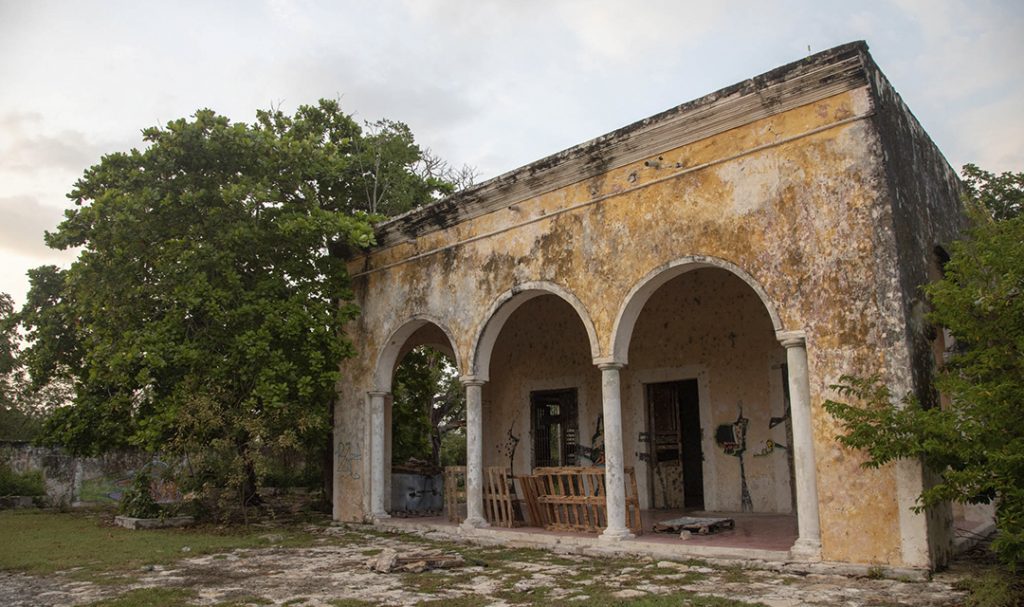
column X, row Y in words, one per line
column 669, row 303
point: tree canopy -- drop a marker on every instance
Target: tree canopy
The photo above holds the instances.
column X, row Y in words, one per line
column 1001, row 195
column 206, row 307
column 22, row 405
column 14, row 423
column 429, row 404
column 976, row 444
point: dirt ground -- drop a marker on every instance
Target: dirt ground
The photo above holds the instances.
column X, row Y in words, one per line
column 335, row 571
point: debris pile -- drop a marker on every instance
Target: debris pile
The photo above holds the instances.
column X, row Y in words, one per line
column 389, row 561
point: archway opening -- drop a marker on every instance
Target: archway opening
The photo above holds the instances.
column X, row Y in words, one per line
column 543, row 398
column 428, row 412
column 424, row 420
column 706, row 400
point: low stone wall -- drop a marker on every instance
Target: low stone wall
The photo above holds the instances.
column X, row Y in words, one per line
column 74, row 481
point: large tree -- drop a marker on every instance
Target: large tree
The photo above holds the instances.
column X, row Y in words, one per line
column 975, row 446
column 204, row 313
column 15, row 424
column 22, row 404
column 429, row 405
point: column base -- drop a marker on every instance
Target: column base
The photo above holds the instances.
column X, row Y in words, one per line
column 471, row 524
column 379, row 516
column 615, row 535
column 806, row 550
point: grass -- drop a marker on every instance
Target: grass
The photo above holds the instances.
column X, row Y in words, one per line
column 430, row 582
column 89, row 547
column 674, row 599
column 462, row 601
column 993, row 588
column 735, row 574
column 41, row 543
column 244, row 601
column 150, row 597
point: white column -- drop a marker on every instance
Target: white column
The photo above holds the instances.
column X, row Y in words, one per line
column 808, row 544
column 474, row 454
column 377, row 430
column 614, row 476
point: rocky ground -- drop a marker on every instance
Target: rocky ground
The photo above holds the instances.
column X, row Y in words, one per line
column 352, row 566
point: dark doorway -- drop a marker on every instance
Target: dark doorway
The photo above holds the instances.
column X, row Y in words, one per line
column 555, row 433
column 674, row 447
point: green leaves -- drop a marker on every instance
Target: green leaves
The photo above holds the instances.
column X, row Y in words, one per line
column 428, row 404
column 207, row 306
column 1001, row 195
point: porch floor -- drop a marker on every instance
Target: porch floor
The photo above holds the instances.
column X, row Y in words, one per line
column 753, row 530
column 756, row 535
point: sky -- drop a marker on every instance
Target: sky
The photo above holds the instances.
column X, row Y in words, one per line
column 492, row 84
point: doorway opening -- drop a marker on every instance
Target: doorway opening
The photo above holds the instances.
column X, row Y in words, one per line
column 555, row 427
column 674, row 445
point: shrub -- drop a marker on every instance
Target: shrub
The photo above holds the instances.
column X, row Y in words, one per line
column 14, row 483
column 137, row 501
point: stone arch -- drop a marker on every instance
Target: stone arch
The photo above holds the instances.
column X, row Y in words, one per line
column 503, row 307
column 394, row 348
column 625, row 321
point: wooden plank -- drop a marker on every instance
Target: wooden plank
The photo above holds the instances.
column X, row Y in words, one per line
column 499, row 497
column 454, row 491
column 575, row 499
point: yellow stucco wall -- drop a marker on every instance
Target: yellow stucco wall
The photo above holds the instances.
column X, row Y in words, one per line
column 793, row 200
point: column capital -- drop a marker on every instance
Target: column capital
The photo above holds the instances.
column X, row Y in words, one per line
column 608, row 363
column 791, row 339
column 380, row 393
column 471, row 380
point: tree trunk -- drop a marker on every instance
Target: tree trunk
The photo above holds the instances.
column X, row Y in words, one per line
column 435, row 446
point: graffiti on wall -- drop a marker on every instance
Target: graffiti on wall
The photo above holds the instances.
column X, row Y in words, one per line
column 595, row 453
column 348, row 456
column 732, row 438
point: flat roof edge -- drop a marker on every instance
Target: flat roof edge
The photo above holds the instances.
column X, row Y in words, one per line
column 798, row 83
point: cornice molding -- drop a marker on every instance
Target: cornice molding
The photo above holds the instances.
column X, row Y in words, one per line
column 800, row 83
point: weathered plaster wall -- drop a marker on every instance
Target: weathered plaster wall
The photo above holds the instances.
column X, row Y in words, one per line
column 794, row 199
column 927, row 212
column 71, row 480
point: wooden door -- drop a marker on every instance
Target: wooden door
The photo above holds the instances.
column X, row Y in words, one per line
column 674, row 445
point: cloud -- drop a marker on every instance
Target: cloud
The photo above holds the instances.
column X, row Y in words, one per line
column 964, row 47
column 23, row 220
column 623, row 32
column 26, row 148
column 988, row 139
